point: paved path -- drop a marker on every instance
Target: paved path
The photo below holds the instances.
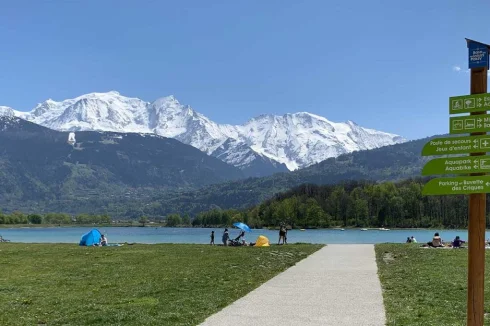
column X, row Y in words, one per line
column 338, row 285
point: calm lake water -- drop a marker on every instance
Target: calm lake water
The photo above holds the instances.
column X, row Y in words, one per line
column 201, row 235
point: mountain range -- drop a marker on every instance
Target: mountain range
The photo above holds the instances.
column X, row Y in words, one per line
column 390, row 163
column 39, row 166
column 131, row 174
column 262, row 146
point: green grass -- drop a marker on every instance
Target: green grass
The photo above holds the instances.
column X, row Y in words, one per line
column 61, row 284
column 426, row 286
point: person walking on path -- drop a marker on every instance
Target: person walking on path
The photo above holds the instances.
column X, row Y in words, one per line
column 212, row 238
column 226, row 237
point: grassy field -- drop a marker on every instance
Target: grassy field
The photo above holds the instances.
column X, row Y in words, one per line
column 61, row 284
column 426, row 286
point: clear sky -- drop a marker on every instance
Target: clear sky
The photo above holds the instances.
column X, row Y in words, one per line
column 388, row 65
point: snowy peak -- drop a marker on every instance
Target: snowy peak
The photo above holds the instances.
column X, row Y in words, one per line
column 95, row 111
column 295, row 140
column 5, row 111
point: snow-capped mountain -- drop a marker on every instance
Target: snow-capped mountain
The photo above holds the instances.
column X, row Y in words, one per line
column 5, row 111
column 291, row 140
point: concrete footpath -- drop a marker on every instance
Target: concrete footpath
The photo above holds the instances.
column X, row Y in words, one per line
column 337, row 285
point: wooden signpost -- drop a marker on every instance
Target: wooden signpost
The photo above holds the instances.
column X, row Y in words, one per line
column 477, row 203
column 477, row 183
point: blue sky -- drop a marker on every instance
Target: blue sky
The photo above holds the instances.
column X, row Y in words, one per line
column 388, row 65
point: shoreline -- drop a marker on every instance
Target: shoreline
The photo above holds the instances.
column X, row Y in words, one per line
column 121, row 225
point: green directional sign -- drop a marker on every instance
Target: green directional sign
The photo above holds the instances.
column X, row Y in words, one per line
column 469, row 103
column 457, row 165
column 457, row 145
column 470, row 123
column 457, row 186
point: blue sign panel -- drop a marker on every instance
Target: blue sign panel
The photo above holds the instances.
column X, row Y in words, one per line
column 477, row 55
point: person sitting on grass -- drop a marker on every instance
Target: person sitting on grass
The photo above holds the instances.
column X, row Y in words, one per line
column 413, row 239
column 457, row 242
column 103, row 241
column 409, row 240
column 241, row 235
column 436, row 241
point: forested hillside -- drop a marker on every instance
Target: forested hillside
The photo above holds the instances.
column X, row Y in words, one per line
column 390, row 163
column 40, row 171
column 131, row 175
column 351, row 204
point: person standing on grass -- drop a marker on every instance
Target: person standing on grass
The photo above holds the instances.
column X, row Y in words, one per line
column 212, row 238
column 282, row 234
column 226, row 237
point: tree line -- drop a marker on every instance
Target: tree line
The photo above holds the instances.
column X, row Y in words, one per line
column 52, row 218
column 350, row 204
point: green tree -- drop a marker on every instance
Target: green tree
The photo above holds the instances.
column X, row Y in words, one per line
column 186, row 220
column 314, row 213
column 4, row 219
column 35, row 218
column 18, row 218
column 143, row 220
column 57, row 218
column 83, row 219
column 173, row 220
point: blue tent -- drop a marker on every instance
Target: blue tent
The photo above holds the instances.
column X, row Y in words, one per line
column 90, row 238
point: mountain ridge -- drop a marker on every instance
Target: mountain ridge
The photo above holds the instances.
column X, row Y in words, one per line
column 294, row 140
column 38, row 164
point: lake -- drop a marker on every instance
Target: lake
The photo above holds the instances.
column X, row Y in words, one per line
column 201, row 235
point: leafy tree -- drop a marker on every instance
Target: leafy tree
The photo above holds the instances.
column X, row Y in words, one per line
column 186, row 220
column 57, row 218
column 173, row 220
column 35, row 218
column 143, row 220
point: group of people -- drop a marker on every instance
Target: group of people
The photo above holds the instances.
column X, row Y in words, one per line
column 227, row 241
column 240, row 239
column 411, row 239
column 437, row 242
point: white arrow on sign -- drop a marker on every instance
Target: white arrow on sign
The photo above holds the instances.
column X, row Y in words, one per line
column 475, row 146
column 488, row 184
column 475, row 166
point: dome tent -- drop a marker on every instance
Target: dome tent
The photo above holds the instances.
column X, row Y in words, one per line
column 90, row 238
column 262, row 241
